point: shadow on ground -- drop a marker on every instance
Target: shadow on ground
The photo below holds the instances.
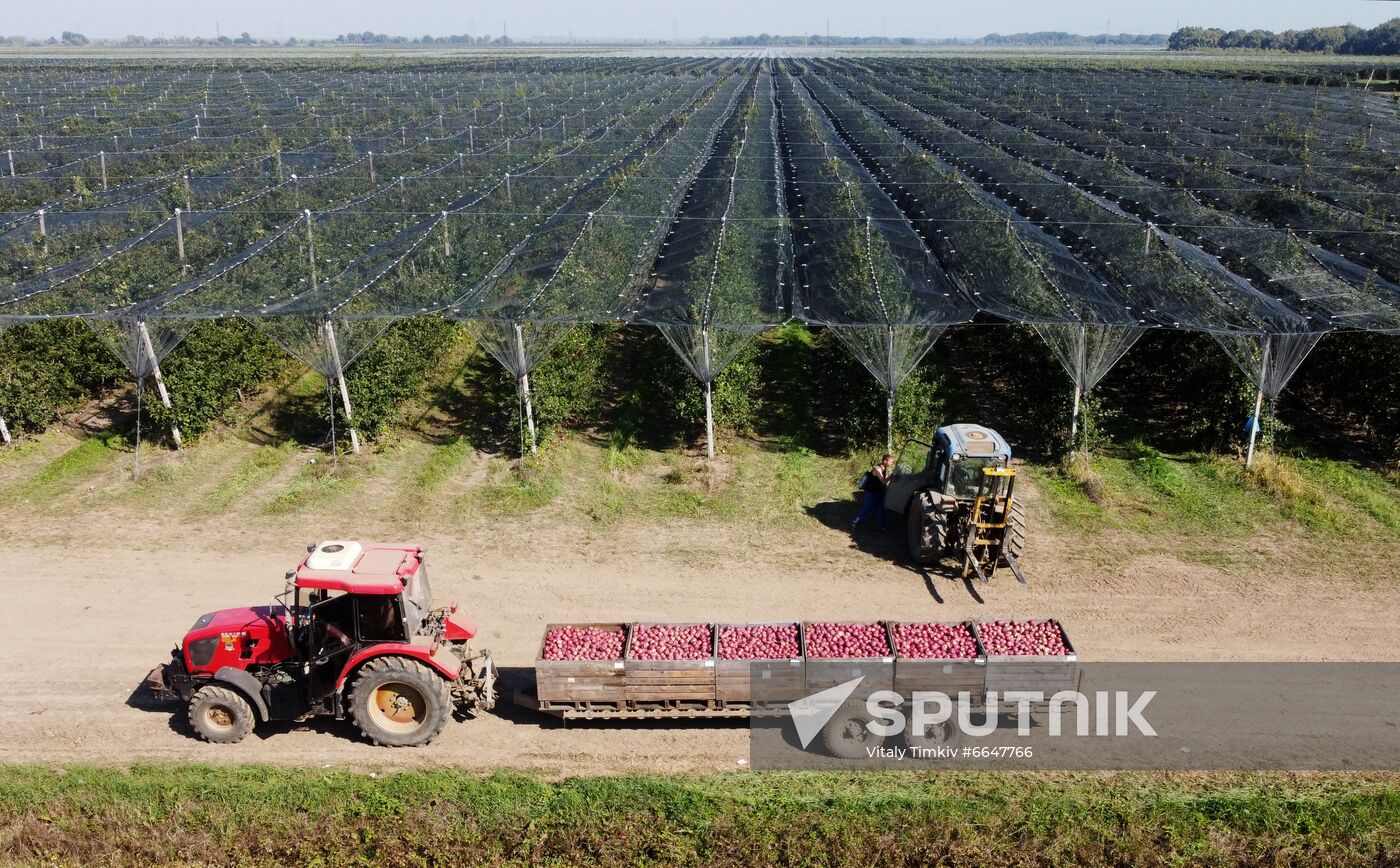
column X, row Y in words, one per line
column 889, row 545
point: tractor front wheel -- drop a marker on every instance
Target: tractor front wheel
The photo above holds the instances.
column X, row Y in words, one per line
column 221, row 715
column 927, row 530
column 399, row 702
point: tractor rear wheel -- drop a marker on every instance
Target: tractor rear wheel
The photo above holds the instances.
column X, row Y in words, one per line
column 1015, row 540
column 399, row 702
column 221, row 715
column 927, row 530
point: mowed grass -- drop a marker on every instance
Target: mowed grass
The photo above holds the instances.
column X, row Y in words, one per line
column 747, row 484
column 1140, row 489
column 246, row 476
column 75, row 467
column 253, row 814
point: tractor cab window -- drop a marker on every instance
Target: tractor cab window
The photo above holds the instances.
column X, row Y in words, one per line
column 965, row 481
column 417, row 598
column 379, row 618
column 913, row 458
column 330, row 620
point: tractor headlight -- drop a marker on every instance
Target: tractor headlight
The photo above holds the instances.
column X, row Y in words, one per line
column 957, row 456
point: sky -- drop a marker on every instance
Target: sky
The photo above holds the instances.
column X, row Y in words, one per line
column 667, row 19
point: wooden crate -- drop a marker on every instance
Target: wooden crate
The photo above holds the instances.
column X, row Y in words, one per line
column 951, row 677
column 824, row 672
column 580, row 680
column 782, row 680
column 662, row 680
column 1044, row 673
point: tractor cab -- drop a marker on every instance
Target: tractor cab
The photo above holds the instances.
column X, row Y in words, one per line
column 954, row 467
column 957, row 498
column 347, row 597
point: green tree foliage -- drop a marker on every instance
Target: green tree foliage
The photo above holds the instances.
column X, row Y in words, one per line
column 392, row 370
column 566, row 386
column 1350, row 392
column 816, row 395
column 667, row 406
column 1383, row 39
column 48, row 367
column 218, row 363
column 1179, row 391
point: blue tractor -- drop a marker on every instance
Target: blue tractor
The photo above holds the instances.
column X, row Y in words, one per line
column 956, row 496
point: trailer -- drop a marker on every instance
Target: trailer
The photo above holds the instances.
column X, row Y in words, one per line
column 716, row 688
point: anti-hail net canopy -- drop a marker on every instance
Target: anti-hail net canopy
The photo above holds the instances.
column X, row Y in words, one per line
column 863, row 269
column 725, row 264
column 884, row 198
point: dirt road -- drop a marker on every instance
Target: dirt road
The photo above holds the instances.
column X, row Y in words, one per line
column 84, row 619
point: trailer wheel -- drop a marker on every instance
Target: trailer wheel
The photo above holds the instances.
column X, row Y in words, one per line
column 1015, row 538
column 399, row 702
column 945, row 734
column 220, row 715
column 846, row 735
column 927, row 530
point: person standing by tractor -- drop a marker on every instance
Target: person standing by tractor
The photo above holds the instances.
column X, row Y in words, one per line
column 872, row 486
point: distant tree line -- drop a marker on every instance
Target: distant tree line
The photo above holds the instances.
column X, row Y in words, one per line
column 1347, row 39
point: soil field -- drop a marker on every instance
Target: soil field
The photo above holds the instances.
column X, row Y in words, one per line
column 103, row 577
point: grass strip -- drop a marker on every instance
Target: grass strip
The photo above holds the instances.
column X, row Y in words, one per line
column 258, row 814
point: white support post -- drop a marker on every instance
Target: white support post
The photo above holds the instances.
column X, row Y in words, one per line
column 709, row 420
column 889, row 420
column 145, row 336
column 102, row 158
column 344, row 389
column 446, row 237
column 1255, row 424
column 508, row 197
column 44, row 231
column 889, row 382
column 189, row 194
column 11, row 154
column 524, row 384
column 709, row 398
column 1080, row 361
column 180, row 237
column 371, row 167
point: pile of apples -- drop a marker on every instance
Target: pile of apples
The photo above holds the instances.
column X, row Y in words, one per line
column 670, row 642
column 583, row 643
column 829, row 640
column 1023, row 638
column 758, row 642
column 935, row 641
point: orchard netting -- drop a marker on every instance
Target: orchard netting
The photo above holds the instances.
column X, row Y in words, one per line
column 886, row 199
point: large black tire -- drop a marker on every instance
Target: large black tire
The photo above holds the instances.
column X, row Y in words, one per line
column 1015, row 539
column 846, row 736
column 927, row 530
column 935, row 735
column 399, row 702
column 221, row 714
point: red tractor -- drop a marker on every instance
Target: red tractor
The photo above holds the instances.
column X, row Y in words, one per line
column 354, row 635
